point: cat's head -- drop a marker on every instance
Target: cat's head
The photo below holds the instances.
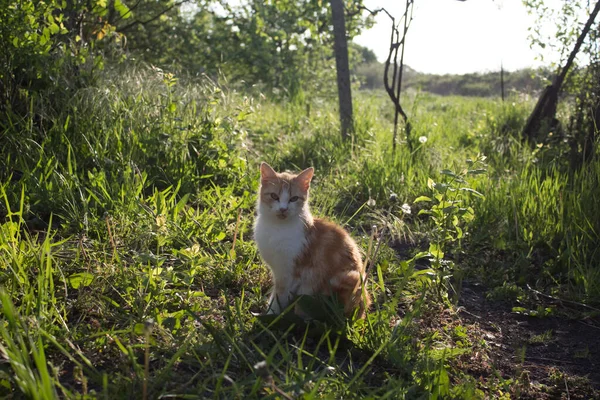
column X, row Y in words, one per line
column 283, row 195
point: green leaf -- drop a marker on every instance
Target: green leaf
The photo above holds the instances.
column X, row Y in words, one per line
column 448, row 173
column 469, row 215
column 108, row 300
column 500, row 243
column 80, row 279
column 440, row 187
column 220, row 236
column 447, row 353
column 181, row 203
column 475, row 192
column 448, row 209
column 54, row 28
column 139, row 329
column 120, row 345
column 455, row 221
column 421, row 254
column 427, row 271
column 459, row 232
column 123, row 10
column 430, row 183
column 476, row 171
column 436, row 251
column 421, row 198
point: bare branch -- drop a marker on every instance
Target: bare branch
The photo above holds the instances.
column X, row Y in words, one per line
column 394, row 89
column 376, row 11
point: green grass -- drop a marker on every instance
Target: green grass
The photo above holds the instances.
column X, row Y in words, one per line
column 128, row 267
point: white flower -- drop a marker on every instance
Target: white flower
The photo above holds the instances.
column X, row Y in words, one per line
column 422, row 139
column 406, row 209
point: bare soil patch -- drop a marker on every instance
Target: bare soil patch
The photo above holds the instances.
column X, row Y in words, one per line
column 552, row 357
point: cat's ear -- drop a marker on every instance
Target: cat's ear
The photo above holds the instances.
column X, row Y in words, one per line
column 266, row 172
column 304, row 178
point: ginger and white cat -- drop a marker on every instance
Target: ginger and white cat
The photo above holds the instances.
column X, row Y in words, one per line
column 307, row 255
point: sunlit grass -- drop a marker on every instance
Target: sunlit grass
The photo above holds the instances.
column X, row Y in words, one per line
column 126, row 244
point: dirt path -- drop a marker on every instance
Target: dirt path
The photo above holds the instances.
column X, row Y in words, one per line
column 554, row 357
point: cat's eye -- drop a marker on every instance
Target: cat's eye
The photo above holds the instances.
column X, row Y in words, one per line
column 274, row 196
column 293, row 199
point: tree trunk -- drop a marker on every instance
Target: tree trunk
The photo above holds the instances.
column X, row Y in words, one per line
column 502, row 80
column 343, row 71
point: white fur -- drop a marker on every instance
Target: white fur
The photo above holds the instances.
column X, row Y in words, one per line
column 279, row 243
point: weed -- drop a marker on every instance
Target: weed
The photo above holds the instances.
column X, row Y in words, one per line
column 128, row 267
column 542, row 338
column 508, row 292
column 450, row 211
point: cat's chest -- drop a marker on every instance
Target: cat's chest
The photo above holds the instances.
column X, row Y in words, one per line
column 280, row 243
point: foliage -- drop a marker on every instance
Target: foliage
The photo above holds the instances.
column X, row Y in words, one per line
column 575, row 140
column 35, row 383
column 450, row 211
column 127, row 241
column 127, row 198
column 43, row 43
column 556, row 29
column 282, row 45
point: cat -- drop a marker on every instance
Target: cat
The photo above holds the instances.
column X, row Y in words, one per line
column 306, row 255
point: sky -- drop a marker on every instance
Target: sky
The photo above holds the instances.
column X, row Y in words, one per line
column 455, row 37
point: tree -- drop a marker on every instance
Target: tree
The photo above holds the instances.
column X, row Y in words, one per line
column 545, row 109
column 575, row 139
column 342, row 68
column 284, row 44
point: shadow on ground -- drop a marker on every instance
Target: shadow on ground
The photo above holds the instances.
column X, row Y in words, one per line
column 554, row 356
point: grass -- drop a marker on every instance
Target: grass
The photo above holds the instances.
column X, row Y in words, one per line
column 128, row 267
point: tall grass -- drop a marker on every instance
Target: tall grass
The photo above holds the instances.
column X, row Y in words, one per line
column 128, row 266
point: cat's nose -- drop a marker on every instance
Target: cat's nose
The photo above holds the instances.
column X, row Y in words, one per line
column 283, row 209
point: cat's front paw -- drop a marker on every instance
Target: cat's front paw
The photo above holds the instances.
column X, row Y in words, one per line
column 271, row 311
column 274, row 307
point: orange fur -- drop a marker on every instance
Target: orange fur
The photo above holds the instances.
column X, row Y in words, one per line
column 306, row 255
column 335, row 263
